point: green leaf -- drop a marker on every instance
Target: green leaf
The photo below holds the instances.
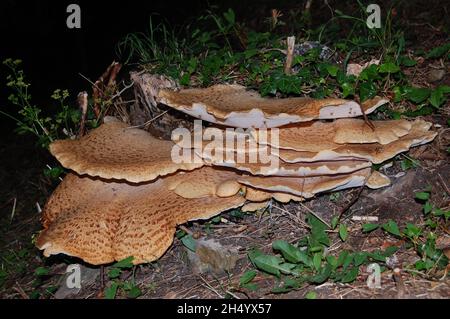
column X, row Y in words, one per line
column 134, row 292
column 290, row 252
column 412, row 231
column 343, row 232
column 404, row 60
column 317, row 260
column 269, row 264
column 392, row 228
column 318, row 234
column 341, row 258
column 111, row 291
column 347, row 261
column 359, row 258
column 389, row 68
column 322, row 276
column 438, row 51
column 124, row 263
column 332, row 70
column 369, row 73
column 248, row 276
column 114, row 273
column 250, row 286
column 230, row 16
column 189, row 242
column 41, row 271
column 347, row 89
column 311, row 295
column 423, row 195
column 389, row 251
column 369, row 227
column 417, row 95
column 367, row 90
column 350, row 275
column 334, row 222
column 437, row 97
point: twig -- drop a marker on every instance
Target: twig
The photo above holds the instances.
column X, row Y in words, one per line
column 149, row 121
column 83, row 105
column 444, row 184
column 211, row 288
column 19, row 289
column 290, row 55
column 352, row 201
column 13, row 209
column 399, row 282
column 123, row 90
column 186, row 230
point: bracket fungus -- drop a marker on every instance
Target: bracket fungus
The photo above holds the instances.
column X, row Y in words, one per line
column 127, row 194
column 116, row 151
column 101, row 221
column 235, row 106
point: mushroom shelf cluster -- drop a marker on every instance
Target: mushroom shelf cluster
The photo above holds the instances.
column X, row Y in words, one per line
column 125, row 194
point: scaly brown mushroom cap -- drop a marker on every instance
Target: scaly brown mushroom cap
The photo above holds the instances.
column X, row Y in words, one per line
column 102, row 221
column 233, row 105
column 306, row 187
column 376, row 153
column 377, row 180
column 115, row 151
column 257, row 195
column 276, row 167
column 319, row 136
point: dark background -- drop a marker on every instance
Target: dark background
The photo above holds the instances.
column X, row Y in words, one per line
column 53, row 55
column 35, row 31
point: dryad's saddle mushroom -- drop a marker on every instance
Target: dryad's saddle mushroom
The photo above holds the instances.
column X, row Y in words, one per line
column 126, row 194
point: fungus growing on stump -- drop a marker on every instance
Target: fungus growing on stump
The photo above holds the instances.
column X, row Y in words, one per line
column 127, row 194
